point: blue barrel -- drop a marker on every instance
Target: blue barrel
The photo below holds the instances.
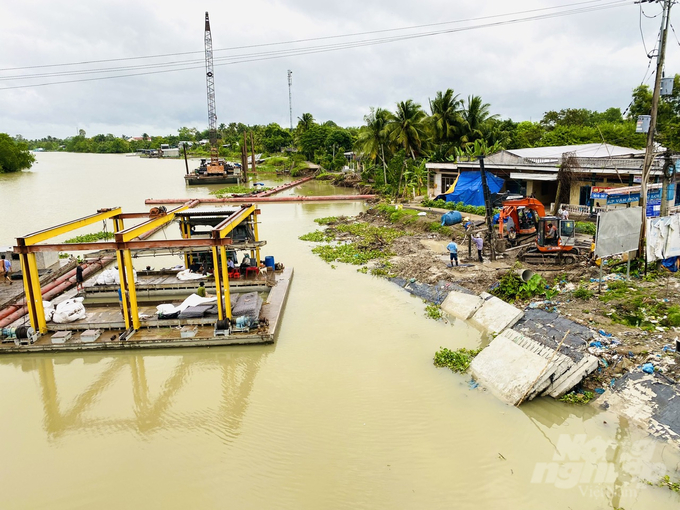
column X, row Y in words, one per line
column 269, row 261
column 451, row 218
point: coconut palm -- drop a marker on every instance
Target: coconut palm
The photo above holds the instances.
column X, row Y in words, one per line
column 446, row 120
column 406, row 127
column 305, row 122
column 373, row 137
column 475, row 118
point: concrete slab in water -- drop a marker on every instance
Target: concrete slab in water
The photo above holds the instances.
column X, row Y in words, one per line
column 461, row 305
column 495, row 315
column 507, row 369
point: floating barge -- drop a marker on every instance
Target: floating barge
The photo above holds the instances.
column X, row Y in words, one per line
column 135, row 324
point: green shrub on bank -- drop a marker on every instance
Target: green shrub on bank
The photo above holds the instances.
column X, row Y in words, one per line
column 458, row 360
column 578, row 398
column 479, row 210
column 511, row 287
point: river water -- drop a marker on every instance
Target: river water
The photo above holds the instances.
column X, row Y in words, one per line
column 346, row 410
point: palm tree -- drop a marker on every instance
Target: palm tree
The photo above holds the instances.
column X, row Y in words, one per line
column 475, row 118
column 373, row 137
column 406, row 127
column 446, row 120
column 305, row 122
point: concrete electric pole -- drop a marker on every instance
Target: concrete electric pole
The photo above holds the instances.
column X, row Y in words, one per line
column 649, row 154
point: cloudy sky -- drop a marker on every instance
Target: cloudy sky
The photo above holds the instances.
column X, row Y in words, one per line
column 588, row 60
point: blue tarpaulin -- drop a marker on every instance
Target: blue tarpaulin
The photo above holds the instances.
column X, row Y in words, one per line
column 469, row 188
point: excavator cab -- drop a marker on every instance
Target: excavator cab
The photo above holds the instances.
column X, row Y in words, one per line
column 555, row 234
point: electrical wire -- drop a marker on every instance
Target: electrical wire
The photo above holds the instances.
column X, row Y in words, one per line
column 311, row 39
column 275, row 54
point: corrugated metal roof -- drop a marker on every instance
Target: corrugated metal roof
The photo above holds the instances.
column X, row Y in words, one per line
column 588, row 150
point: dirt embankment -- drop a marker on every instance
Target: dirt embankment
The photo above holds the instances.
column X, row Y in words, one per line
column 638, row 320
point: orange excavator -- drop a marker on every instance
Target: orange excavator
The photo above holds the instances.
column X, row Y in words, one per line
column 520, row 216
column 526, row 220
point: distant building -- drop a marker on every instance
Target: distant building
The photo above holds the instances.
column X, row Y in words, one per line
column 534, row 170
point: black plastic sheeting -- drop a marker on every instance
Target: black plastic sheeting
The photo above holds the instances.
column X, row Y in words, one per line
column 432, row 293
column 249, row 305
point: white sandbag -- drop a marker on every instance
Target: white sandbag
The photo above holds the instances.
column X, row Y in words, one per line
column 193, row 300
column 69, row 311
column 165, row 309
column 111, row 277
column 188, row 275
column 49, row 310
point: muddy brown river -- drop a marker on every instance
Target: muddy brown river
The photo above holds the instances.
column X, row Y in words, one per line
column 345, row 411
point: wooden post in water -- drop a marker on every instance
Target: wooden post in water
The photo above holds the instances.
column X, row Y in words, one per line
column 186, row 163
column 245, row 157
column 252, row 151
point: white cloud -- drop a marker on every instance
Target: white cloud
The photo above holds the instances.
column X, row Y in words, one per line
column 589, row 60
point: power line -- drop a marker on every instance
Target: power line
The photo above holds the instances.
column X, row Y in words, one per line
column 296, row 41
column 275, row 54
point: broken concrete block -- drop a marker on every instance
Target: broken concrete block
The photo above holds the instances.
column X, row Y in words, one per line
column 461, row 305
column 495, row 315
column 510, row 370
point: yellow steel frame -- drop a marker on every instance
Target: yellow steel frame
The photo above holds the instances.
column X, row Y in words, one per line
column 130, row 280
column 46, row 234
column 235, row 221
column 124, row 258
column 123, row 289
column 225, row 279
column 29, row 267
column 218, row 285
column 257, row 238
column 132, row 232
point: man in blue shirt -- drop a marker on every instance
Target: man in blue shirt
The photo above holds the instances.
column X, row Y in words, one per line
column 452, row 247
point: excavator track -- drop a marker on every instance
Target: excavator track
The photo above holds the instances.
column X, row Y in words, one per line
column 531, row 255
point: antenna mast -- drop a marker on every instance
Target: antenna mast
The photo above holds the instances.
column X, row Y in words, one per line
column 290, row 97
column 210, row 83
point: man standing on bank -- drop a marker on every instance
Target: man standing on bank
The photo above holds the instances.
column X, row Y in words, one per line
column 452, row 247
column 480, row 245
column 6, row 269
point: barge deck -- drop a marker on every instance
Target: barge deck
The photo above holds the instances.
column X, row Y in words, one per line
column 159, row 333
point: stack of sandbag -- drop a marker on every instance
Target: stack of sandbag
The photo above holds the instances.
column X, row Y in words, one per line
column 48, row 307
column 70, row 310
column 111, row 277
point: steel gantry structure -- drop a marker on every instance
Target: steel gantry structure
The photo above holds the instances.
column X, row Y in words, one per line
column 127, row 240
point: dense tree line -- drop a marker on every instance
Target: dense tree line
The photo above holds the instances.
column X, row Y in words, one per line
column 14, row 155
column 393, row 145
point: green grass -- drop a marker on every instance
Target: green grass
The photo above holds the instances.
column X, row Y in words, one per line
column 458, row 360
column 433, row 312
column 328, row 220
column 318, row 236
column 583, row 293
column 348, row 253
column 91, row 238
column 578, row 398
column 370, row 233
column 235, row 190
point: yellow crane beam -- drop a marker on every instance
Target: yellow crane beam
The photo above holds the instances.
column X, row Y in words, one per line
column 44, row 235
column 132, row 232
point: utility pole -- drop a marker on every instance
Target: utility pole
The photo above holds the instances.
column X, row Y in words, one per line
column 252, row 152
column 489, row 209
column 290, row 98
column 649, row 154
